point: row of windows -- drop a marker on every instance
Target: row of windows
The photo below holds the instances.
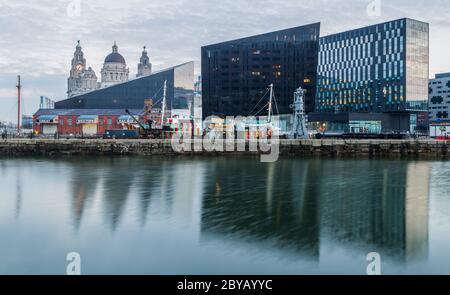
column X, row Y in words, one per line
column 115, row 76
column 101, row 122
column 358, row 107
column 352, row 52
column 439, row 115
column 360, row 36
column 337, row 96
column 343, row 64
column 439, row 84
column 393, row 70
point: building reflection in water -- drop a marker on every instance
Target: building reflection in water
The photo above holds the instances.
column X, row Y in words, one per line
column 170, row 188
column 418, row 208
column 83, row 182
column 380, row 205
column 251, row 201
column 173, row 188
column 293, row 204
column 117, row 183
column 18, row 195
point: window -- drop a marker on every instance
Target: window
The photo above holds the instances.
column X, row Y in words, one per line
column 110, row 121
column 61, row 122
column 69, row 122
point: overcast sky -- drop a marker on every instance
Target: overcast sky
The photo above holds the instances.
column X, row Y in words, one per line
column 37, row 37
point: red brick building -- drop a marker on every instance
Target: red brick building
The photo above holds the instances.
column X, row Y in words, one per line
column 82, row 122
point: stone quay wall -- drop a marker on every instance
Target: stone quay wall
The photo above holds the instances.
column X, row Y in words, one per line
column 326, row 147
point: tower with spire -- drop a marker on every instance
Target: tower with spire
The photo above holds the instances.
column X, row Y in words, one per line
column 144, row 66
column 78, row 60
column 81, row 79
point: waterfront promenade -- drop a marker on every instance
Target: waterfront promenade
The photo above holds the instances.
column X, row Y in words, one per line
column 423, row 148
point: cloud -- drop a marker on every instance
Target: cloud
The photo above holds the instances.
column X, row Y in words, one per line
column 37, row 38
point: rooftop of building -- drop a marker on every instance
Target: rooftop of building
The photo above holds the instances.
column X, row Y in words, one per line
column 249, row 38
column 85, row 112
column 373, row 25
column 115, row 57
column 132, row 80
column 442, row 75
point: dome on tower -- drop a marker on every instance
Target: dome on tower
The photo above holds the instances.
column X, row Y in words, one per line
column 114, row 70
column 115, row 56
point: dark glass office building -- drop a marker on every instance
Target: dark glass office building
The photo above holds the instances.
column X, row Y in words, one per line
column 374, row 78
column 131, row 94
column 236, row 74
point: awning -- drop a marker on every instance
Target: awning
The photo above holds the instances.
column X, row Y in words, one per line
column 125, row 120
column 85, row 119
column 47, row 119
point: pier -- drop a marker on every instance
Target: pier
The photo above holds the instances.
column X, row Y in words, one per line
column 327, row 147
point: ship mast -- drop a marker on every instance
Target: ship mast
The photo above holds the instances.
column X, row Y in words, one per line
column 269, row 118
column 19, row 87
column 163, row 111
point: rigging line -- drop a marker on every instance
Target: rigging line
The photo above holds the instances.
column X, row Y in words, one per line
column 276, row 104
column 263, row 108
column 14, row 106
column 23, row 108
column 157, row 92
column 158, row 101
column 267, row 91
column 258, row 103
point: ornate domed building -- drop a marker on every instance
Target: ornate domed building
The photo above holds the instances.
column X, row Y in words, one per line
column 114, row 69
column 81, row 80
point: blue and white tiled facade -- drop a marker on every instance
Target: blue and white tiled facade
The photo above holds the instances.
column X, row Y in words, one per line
column 381, row 68
column 439, row 97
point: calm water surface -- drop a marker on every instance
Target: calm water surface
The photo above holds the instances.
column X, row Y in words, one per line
column 223, row 215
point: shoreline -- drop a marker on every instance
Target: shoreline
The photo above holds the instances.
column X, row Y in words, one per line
column 421, row 148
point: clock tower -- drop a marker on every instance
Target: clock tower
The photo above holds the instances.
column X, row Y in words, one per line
column 78, row 62
column 81, row 79
column 144, row 66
